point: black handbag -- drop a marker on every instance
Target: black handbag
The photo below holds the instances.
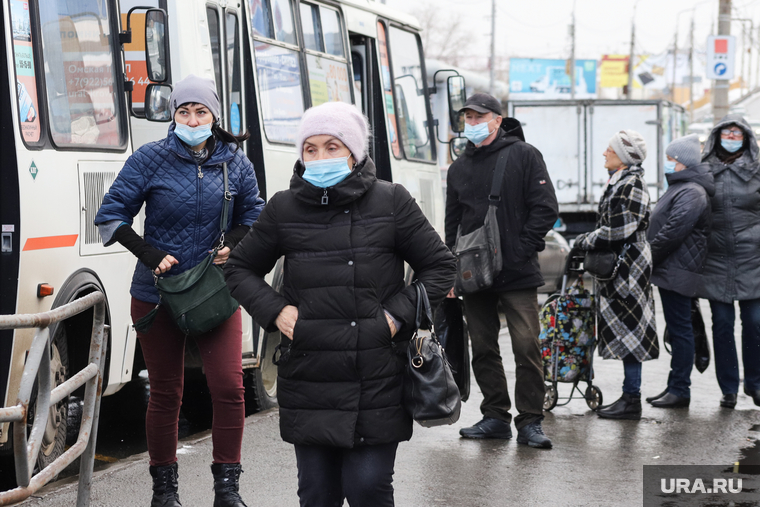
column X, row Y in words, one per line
column 604, row 264
column 478, row 254
column 451, row 331
column 198, row 299
column 431, row 397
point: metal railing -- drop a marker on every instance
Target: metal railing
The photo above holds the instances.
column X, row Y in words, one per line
column 37, row 371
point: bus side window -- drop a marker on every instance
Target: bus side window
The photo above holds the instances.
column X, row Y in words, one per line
column 411, row 95
column 385, row 77
column 278, row 69
column 80, row 74
column 26, row 82
column 234, row 76
column 328, row 70
column 216, row 51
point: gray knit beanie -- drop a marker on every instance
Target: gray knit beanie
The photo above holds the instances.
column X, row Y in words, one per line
column 196, row 89
column 685, row 150
column 630, row 147
column 340, row 120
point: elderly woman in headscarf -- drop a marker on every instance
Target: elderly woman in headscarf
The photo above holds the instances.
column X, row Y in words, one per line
column 345, row 236
column 624, row 304
column 732, row 267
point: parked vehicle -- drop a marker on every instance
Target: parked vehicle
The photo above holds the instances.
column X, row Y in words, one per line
column 573, row 134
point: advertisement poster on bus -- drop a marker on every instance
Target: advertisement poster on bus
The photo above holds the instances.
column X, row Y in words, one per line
column 279, row 77
column 538, row 78
column 134, row 52
column 328, row 81
column 26, row 85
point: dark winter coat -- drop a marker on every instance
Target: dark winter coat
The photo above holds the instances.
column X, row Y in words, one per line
column 182, row 210
column 625, row 304
column 344, row 265
column 527, row 211
column 732, row 267
column 678, row 230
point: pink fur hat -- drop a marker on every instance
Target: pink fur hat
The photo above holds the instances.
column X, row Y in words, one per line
column 343, row 121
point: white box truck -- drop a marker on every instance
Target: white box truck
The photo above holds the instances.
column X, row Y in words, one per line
column 573, row 134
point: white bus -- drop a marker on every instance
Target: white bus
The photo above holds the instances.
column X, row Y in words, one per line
column 69, row 124
column 66, row 134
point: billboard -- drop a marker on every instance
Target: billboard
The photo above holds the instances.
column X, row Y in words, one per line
column 613, row 72
column 539, row 78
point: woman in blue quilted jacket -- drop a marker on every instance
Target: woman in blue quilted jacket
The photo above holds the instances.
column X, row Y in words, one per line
column 180, row 180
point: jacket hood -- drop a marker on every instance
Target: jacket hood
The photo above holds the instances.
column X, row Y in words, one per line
column 222, row 151
column 749, row 136
column 351, row 188
column 513, row 127
column 699, row 174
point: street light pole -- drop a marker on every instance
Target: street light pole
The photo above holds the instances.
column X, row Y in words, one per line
column 720, row 86
column 492, row 80
column 572, row 56
column 629, row 88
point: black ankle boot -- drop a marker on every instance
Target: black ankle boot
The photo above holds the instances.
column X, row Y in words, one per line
column 165, row 486
column 226, row 477
column 627, row 407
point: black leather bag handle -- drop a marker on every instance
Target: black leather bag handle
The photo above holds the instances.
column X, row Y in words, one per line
column 424, row 316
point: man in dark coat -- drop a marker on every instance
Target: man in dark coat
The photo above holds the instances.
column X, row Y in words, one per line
column 527, row 211
column 677, row 235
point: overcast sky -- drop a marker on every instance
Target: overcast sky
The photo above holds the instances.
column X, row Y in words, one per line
column 539, row 28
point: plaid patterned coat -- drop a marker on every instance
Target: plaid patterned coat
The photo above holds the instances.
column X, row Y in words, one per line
column 626, row 306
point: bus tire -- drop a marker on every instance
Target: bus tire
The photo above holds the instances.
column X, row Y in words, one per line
column 54, row 437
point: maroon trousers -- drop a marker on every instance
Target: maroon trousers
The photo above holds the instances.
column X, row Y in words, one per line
column 163, row 347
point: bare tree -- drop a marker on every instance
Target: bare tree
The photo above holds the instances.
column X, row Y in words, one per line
column 444, row 36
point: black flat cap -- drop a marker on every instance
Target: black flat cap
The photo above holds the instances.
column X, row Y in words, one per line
column 482, row 103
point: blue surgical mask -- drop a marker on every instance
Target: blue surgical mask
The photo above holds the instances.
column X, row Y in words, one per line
column 193, row 136
column 326, row 172
column 732, row 145
column 476, row 133
column 670, row 166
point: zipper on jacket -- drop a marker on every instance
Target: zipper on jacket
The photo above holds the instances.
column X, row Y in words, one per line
column 200, row 173
column 324, row 197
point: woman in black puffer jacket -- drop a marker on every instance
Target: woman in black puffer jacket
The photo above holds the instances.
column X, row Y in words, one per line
column 677, row 235
column 345, row 236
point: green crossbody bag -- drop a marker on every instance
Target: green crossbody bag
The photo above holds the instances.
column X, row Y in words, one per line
column 198, row 299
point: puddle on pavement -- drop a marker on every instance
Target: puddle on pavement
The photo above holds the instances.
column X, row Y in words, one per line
column 750, row 461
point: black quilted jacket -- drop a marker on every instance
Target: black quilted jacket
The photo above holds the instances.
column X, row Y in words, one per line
column 344, row 265
column 679, row 228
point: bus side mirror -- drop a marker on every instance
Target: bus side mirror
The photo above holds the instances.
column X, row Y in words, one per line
column 156, row 45
column 457, row 96
column 457, row 146
column 157, row 106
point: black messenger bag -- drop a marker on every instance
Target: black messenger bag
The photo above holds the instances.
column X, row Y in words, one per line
column 478, row 253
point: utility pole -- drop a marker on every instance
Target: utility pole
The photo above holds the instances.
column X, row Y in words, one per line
column 572, row 56
column 492, row 80
column 675, row 65
column 629, row 88
column 691, row 72
column 720, row 86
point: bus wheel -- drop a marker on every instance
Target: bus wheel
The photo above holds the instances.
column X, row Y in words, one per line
column 54, row 436
column 261, row 382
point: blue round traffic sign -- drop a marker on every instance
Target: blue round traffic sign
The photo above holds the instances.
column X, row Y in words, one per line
column 720, row 69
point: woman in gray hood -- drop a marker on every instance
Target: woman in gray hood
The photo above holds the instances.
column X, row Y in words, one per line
column 677, row 235
column 732, row 267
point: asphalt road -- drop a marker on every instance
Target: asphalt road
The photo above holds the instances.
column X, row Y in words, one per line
column 594, row 462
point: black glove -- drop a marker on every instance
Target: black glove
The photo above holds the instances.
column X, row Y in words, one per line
column 133, row 242
column 237, row 233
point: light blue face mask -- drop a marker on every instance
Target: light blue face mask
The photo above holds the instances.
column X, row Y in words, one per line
column 476, row 133
column 670, row 166
column 193, row 136
column 327, row 172
column 732, row 145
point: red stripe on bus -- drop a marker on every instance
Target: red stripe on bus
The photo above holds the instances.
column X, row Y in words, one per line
column 50, row 242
